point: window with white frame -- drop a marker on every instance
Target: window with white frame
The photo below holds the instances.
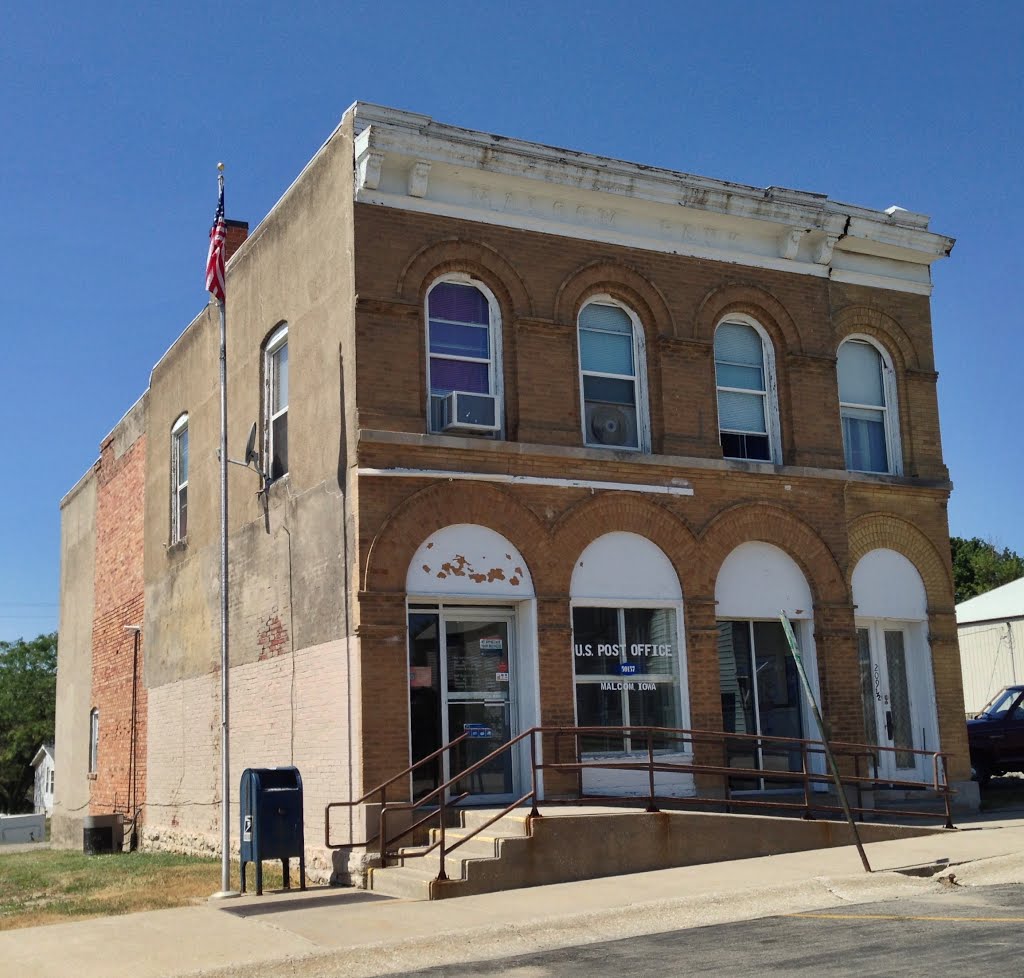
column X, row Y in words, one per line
column 612, row 379
column 626, row 673
column 867, row 407
column 747, row 399
column 275, row 400
column 464, row 377
column 179, row 479
column 94, row 740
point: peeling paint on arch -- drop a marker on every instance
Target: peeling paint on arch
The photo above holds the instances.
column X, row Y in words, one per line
column 468, row 559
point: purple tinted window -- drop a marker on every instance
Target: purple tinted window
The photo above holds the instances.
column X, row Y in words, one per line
column 459, row 341
column 457, row 375
column 459, row 303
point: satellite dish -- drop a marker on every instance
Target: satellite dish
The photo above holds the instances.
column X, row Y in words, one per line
column 611, row 426
column 251, row 456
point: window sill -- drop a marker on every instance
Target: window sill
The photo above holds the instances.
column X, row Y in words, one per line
column 274, row 485
column 178, row 547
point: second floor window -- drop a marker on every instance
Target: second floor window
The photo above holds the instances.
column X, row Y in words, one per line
column 179, row 479
column 612, row 377
column 867, row 407
column 747, row 415
column 275, row 420
column 464, row 359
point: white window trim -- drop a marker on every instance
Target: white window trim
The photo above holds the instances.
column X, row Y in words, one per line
column 643, row 421
column 680, row 676
column 890, row 412
column 177, row 429
column 770, row 394
column 94, row 740
column 496, row 372
column 278, row 339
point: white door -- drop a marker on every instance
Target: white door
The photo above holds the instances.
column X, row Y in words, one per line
column 893, row 701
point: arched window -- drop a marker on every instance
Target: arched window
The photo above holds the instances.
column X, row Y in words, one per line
column 613, row 387
column 179, row 479
column 464, row 376
column 275, row 402
column 867, row 406
column 748, row 413
column 758, row 679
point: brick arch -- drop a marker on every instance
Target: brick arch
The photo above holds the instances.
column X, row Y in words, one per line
column 767, row 523
column 757, row 303
column 439, row 505
column 624, row 283
column 880, row 326
column 472, row 257
column 876, row 531
column 595, row 516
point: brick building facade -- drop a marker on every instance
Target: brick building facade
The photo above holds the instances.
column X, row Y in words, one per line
column 538, row 422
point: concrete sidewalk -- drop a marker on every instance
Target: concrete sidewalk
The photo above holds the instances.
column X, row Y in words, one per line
column 342, row 932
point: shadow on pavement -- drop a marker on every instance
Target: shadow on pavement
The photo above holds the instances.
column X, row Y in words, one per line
column 302, row 902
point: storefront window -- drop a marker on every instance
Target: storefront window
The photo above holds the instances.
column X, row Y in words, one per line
column 627, row 674
column 760, row 696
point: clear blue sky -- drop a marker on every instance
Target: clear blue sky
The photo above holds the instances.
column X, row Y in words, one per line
column 113, row 118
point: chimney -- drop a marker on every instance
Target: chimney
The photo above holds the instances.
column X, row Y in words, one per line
column 237, row 232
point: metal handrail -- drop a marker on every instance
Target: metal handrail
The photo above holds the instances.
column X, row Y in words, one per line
column 653, row 763
column 382, row 789
column 441, row 794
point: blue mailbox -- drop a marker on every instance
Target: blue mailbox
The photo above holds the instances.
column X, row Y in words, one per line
column 270, row 803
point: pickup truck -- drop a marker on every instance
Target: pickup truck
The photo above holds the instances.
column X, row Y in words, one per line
column 996, row 735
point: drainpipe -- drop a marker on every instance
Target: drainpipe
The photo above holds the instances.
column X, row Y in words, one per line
column 133, row 792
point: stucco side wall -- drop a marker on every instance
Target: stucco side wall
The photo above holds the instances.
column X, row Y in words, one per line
column 292, row 709
column 74, row 662
column 287, row 562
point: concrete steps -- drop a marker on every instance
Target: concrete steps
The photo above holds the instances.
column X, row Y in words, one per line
column 474, row 867
column 581, row 842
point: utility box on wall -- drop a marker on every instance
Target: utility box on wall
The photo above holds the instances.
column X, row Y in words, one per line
column 270, row 802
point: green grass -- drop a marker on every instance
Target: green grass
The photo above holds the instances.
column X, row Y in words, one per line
column 50, row 885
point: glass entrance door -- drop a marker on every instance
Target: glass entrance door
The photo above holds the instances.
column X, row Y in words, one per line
column 478, row 700
column 888, row 709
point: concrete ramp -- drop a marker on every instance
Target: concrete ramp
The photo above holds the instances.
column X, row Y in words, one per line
column 583, row 843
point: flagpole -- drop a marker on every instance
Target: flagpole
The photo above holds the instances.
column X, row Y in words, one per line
column 225, row 789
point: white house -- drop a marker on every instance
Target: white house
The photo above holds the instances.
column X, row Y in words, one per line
column 991, row 632
column 42, row 794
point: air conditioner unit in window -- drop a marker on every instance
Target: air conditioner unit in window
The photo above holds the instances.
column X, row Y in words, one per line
column 462, row 411
column 612, row 425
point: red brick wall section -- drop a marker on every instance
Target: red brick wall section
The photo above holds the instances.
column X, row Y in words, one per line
column 119, row 784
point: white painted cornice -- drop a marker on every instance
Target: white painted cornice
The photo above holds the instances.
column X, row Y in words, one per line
column 408, row 161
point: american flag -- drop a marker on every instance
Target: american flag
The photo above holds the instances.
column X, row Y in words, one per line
column 215, row 259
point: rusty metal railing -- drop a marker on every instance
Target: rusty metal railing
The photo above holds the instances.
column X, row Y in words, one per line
column 656, row 757
column 380, row 790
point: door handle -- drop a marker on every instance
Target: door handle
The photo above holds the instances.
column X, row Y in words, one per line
column 888, row 724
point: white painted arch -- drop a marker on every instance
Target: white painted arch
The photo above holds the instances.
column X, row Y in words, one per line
column 758, row 580
column 469, row 560
column 887, row 585
column 626, row 567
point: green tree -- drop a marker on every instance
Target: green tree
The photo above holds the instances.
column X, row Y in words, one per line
column 28, row 694
column 979, row 566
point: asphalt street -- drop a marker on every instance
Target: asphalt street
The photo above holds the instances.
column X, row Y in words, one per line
column 963, row 931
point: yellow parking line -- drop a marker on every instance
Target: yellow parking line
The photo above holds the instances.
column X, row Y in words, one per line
column 884, row 916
